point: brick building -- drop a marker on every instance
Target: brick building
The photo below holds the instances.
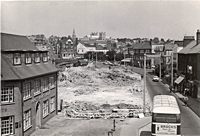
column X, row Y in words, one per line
column 28, row 86
column 138, row 50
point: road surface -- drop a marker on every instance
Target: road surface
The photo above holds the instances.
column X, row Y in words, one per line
column 190, row 122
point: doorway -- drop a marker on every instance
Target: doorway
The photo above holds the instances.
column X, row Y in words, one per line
column 38, row 115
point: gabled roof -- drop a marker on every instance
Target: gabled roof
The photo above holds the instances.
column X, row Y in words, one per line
column 11, row 42
column 191, row 48
column 10, row 72
column 170, row 46
column 144, row 45
column 179, row 43
column 99, row 47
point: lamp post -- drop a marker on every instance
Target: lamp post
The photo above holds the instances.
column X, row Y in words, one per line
column 144, row 90
column 172, row 70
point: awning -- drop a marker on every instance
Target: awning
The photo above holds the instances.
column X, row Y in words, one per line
column 126, row 60
column 179, row 79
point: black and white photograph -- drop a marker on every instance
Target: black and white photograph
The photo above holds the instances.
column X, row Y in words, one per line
column 100, row 68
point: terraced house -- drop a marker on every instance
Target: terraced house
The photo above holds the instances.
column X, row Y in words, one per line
column 28, row 86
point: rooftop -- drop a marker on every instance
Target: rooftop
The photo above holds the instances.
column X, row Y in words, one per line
column 191, row 48
column 11, row 42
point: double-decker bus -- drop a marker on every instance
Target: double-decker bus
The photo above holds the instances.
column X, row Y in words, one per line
column 166, row 117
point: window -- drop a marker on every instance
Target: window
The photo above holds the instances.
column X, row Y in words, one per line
column 26, row 90
column 27, row 119
column 17, row 59
column 45, row 108
column 52, row 82
column 7, row 94
column 45, row 86
column 52, row 104
column 141, row 51
column 45, row 57
column 28, row 58
column 189, row 69
column 37, row 87
column 37, row 57
column 7, row 124
column 147, row 51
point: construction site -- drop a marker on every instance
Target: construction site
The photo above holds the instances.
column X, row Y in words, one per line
column 101, row 91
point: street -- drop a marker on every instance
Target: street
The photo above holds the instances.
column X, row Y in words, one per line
column 190, row 122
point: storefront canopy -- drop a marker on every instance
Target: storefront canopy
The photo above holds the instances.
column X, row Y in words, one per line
column 126, row 60
column 179, row 80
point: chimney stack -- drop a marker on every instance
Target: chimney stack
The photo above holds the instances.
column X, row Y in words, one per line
column 198, row 36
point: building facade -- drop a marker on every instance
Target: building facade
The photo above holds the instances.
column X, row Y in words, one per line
column 28, row 86
column 138, row 50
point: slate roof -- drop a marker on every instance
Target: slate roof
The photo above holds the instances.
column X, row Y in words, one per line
column 11, row 72
column 145, row 45
column 191, row 48
column 170, row 46
column 11, row 42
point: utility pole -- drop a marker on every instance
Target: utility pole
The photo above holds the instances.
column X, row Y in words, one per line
column 172, row 70
column 114, row 58
column 144, row 90
column 124, row 58
column 160, row 66
column 96, row 57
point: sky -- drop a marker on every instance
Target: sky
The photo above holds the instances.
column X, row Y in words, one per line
column 119, row 19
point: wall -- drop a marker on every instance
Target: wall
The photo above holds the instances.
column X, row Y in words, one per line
column 15, row 108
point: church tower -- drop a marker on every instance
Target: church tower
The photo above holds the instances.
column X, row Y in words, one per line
column 74, row 37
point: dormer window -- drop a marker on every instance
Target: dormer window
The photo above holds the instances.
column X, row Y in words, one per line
column 37, row 57
column 17, row 59
column 45, row 57
column 28, row 58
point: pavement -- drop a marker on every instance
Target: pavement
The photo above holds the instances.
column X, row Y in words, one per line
column 136, row 125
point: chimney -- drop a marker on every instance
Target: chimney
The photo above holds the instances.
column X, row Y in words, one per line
column 187, row 40
column 198, row 36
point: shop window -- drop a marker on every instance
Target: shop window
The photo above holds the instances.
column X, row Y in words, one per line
column 52, row 82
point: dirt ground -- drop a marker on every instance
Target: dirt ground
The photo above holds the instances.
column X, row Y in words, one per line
column 93, row 88
column 100, row 84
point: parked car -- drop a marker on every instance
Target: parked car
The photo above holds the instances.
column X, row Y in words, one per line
column 155, row 78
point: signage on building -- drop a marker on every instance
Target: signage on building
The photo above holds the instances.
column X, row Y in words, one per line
column 153, row 55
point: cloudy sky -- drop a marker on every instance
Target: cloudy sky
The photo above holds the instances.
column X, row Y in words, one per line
column 130, row 19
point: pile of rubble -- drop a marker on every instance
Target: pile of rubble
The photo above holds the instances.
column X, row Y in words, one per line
column 80, row 109
column 100, row 92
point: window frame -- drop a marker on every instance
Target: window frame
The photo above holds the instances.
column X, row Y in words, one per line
column 9, row 126
column 52, row 82
column 27, row 122
column 25, row 91
column 17, row 56
column 45, row 84
column 37, row 57
column 11, row 89
column 45, row 108
column 27, row 57
column 52, row 104
column 45, row 57
column 37, row 89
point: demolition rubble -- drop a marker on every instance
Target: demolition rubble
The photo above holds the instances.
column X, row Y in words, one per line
column 100, row 91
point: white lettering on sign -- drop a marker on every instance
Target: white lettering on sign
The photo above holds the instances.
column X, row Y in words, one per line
column 166, row 129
